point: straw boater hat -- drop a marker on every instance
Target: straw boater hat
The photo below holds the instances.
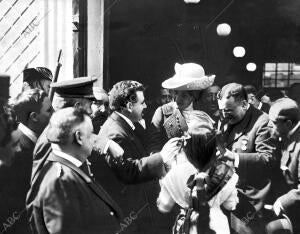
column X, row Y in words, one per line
column 189, row 76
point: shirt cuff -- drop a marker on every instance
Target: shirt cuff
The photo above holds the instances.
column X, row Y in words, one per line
column 107, row 146
column 280, row 205
column 236, row 160
column 164, row 157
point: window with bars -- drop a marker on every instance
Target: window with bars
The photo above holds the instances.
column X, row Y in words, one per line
column 280, row 75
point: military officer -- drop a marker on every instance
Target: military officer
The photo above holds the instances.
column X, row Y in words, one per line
column 70, row 93
column 64, row 198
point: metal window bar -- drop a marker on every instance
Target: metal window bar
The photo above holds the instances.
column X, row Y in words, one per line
column 289, row 74
column 276, row 74
column 274, row 81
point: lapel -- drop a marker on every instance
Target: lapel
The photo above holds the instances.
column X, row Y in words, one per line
column 238, row 130
column 95, row 187
column 295, row 138
column 287, row 154
column 130, row 133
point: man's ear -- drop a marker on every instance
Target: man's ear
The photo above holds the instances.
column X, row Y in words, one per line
column 25, row 86
column 78, row 138
column 33, row 116
column 77, row 105
column 251, row 100
column 129, row 106
column 289, row 124
column 245, row 104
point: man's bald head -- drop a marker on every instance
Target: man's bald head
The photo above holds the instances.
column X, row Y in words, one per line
column 71, row 131
column 284, row 116
column 233, row 102
column 285, row 109
column 63, row 123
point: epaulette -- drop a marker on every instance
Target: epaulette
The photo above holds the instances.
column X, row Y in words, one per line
column 168, row 109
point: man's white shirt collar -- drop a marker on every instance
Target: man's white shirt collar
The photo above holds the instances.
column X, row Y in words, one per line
column 294, row 129
column 68, row 157
column 28, row 132
column 127, row 120
column 260, row 106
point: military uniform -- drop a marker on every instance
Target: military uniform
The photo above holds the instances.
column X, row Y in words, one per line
column 64, row 199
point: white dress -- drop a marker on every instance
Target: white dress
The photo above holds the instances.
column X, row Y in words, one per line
column 173, row 186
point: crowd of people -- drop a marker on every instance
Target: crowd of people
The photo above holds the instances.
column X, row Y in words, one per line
column 204, row 159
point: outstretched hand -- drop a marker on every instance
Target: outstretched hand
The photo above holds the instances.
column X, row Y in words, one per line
column 115, row 150
column 171, row 149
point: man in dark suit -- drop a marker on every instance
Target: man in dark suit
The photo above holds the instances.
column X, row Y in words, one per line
column 63, row 198
column 285, row 120
column 127, row 103
column 33, row 110
column 249, row 146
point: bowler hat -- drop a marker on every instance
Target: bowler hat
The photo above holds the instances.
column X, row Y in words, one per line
column 38, row 73
column 81, row 87
column 4, row 86
column 189, row 76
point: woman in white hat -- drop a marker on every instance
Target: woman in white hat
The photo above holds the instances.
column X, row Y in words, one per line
column 188, row 80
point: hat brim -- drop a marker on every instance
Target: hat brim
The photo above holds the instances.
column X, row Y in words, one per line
column 86, row 96
column 201, row 83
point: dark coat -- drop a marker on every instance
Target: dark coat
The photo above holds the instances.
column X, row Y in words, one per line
column 137, row 167
column 290, row 198
column 265, row 108
column 63, row 199
column 14, row 184
column 251, row 139
column 43, row 149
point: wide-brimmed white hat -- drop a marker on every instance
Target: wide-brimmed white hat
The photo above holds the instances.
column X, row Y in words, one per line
column 189, row 76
